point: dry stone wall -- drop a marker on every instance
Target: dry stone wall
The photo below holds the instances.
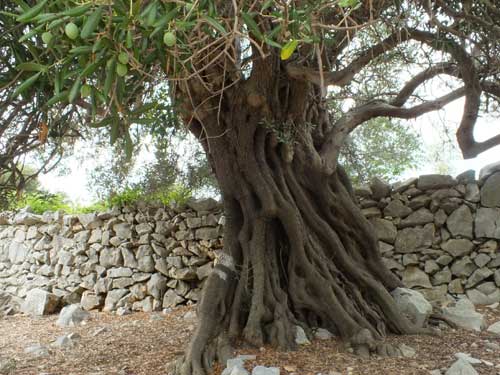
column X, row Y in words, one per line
column 440, row 234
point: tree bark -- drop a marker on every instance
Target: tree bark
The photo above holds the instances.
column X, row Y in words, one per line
column 297, row 249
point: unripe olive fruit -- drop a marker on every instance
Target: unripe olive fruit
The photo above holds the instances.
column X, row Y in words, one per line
column 85, row 91
column 71, row 30
column 121, row 69
column 123, row 58
column 169, row 39
column 47, row 37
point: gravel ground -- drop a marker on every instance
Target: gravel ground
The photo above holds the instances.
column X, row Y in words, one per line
column 143, row 343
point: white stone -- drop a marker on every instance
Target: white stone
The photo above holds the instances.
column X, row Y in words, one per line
column 72, row 315
column 461, row 367
column 262, row 370
column 413, row 304
column 494, row 328
column 300, row 336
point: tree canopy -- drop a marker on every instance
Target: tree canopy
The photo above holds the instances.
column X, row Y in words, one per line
column 272, row 90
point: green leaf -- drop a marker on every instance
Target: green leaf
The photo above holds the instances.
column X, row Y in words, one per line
column 78, row 11
column 75, row 90
column 215, row 24
column 81, row 50
column 32, row 67
column 115, row 130
column 272, row 43
column 348, row 3
column 57, row 98
column 288, row 49
column 32, row 13
column 252, row 25
column 103, row 123
column 90, row 68
column 129, row 145
column 90, row 25
column 110, row 75
column 30, row 34
column 26, row 85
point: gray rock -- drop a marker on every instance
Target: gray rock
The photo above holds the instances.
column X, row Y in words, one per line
column 459, row 223
column 463, row 267
column 262, row 370
column 420, row 217
column 363, row 191
column 464, row 315
column 323, row 334
column 91, row 300
column 482, row 260
column 479, row 298
column 455, row 286
column 72, row 315
column 385, row 230
column 407, row 351
column 488, row 170
column 431, row 267
column 204, row 271
column 300, row 336
column 414, row 276
column 410, row 260
column 494, row 328
column 37, row 351
column 401, row 186
column 65, row 341
column 128, row 256
column 461, row 367
column 40, row 302
column 203, row 204
column 442, row 277
column 487, row 223
column 458, row 248
column 490, row 191
column 472, row 193
column 396, row 208
column 413, row 304
column 379, row 188
column 466, row 357
column 123, row 230
column 409, row 240
column 146, row 264
column 497, row 277
column 207, row 233
column 27, row 218
column 466, row 176
column 171, row 299
column 119, row 272
column 110, row 257
column 478, row 276
column 157, row 286
column 435, row 181
column 113, row 297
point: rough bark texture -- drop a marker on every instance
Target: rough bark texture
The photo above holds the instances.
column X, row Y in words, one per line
column 297, row 250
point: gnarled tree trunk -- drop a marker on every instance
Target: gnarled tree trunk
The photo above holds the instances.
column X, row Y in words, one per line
column 297, row 249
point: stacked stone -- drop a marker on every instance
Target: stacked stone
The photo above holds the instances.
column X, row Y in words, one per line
column 440, row 234
column 143, row 258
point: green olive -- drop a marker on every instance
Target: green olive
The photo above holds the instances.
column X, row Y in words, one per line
column 71, row 30
column 169, row 39
column 47, row 37
column 123, row 58
column 121, row 69
column 85, row 91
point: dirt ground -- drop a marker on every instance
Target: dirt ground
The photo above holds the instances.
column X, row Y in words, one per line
column 144, row 343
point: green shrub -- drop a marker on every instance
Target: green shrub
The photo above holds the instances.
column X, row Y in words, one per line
column 41, row 201
column 127, row 197
column 94, row 207
column 174, row 194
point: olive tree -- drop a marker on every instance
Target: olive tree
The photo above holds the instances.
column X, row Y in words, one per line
column 251, row 80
